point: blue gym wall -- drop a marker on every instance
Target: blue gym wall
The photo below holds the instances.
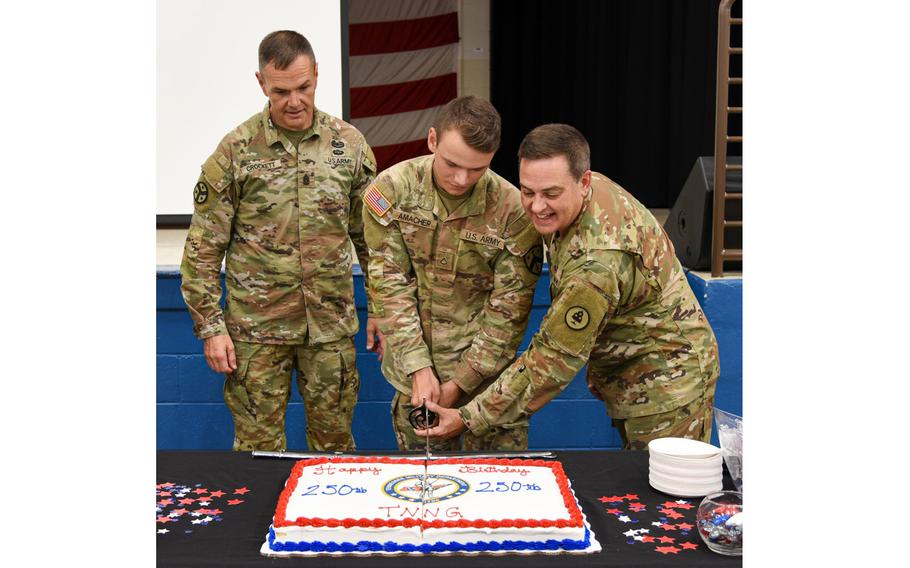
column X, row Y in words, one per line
column 191, row 413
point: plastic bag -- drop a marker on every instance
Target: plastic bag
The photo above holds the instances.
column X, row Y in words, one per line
column 730, row 433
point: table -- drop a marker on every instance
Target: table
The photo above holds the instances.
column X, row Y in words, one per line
column 238, row 493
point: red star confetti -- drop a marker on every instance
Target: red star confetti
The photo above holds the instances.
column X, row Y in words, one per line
column 685, row 526
column 630, row 510
column 611, row 499
column 241, row 491
column 173, row 510
column 667, row 549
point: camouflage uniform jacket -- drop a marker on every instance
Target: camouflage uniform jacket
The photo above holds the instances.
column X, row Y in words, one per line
column 450, row 292
column 285, row 218
column 621, row 304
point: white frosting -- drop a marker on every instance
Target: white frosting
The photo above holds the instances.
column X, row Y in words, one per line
column 461, row 491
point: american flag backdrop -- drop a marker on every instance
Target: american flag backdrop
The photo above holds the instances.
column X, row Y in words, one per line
column 403, row 67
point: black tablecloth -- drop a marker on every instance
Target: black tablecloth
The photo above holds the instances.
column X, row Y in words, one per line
column 215, row 508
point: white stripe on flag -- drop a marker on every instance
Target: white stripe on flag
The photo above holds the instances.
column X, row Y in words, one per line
column 396, row 128
column 371, row 11
column 403, row 66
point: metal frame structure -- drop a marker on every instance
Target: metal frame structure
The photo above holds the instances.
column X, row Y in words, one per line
column 719, row 253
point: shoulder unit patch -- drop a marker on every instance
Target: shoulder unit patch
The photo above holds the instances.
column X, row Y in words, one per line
column 376, row 201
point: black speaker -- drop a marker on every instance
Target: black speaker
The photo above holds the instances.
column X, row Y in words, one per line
column 689, row 223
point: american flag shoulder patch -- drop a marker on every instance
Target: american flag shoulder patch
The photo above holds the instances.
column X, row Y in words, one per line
column 376, row 201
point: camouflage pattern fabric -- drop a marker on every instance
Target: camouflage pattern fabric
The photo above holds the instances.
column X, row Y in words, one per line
column 622, row 305
column 691, row 421
column 283, row 217
column 257, row 394
column 449, row 291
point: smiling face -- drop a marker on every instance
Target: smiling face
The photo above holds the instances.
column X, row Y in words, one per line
column 291, row 92
column 456, row 166
column 550, row 195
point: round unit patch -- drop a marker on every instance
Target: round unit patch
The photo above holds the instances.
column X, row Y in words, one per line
column 201, row 192
column 438, row 488
column 577, row 318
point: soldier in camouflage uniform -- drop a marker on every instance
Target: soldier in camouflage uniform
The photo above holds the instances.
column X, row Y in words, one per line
column 453, row 265
column 621, row 304
column 279, row 199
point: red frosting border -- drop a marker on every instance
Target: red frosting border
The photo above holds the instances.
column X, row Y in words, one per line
column 575, row 517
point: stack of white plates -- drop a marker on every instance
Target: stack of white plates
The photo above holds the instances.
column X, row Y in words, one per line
column 684, row 468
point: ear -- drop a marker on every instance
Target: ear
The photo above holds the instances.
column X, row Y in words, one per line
column 585, row 181
column 261, row 83
column 431, row 140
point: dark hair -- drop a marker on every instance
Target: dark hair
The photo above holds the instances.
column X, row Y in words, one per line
column 549, row 140
column 281, row 48
column 475, row 119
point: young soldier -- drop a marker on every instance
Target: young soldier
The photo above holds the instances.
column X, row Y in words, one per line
column 453, row 265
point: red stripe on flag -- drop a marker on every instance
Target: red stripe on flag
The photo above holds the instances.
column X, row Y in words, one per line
column 402, row 35
column 403, row 97
column 390, row 155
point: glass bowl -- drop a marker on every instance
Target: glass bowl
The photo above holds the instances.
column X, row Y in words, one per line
column 719, row 521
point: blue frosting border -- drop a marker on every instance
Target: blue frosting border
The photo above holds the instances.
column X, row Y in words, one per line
column 427, row 548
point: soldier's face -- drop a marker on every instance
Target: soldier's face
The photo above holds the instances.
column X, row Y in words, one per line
column 456, row 166
column 550, row 195
column 291, row 92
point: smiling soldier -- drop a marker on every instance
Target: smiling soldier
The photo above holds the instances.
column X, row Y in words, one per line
column 453, row 265
column 279, row 199
column 621, row 305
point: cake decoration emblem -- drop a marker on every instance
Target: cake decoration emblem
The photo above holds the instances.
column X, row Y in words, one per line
column 433, row 488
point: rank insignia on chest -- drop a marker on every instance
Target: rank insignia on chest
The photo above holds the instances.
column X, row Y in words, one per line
column 376, row 201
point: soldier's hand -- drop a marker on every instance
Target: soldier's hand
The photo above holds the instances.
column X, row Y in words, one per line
column 449, row 393
column 219, row 354
column 378, row 346
column 450, row 423
column 424, row 385
column 594, row 390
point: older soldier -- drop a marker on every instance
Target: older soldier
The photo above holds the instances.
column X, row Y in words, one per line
column 453, row 265
column 280, row 198
column 621, row 304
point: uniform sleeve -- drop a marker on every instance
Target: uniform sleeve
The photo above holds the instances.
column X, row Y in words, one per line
column 393, row 286
column 206, row 242
column 505, row 315
column 363, row 177
column 558, row 351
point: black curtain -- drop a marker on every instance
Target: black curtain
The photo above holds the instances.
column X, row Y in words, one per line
column 636, row 77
